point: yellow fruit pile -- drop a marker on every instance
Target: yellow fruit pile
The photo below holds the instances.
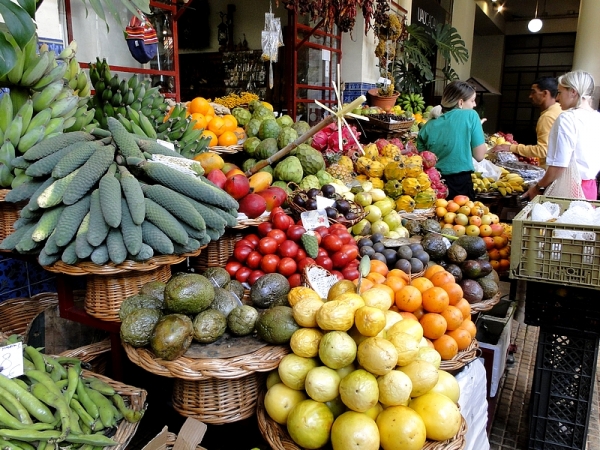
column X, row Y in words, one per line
column 232, row 100
column 359, row 353
column 507, row 184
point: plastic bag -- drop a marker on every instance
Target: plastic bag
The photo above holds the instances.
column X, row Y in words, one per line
column 271, row 40
column 487, row 169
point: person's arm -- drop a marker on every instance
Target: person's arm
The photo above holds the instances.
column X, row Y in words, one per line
column 541, row 148
column 479, row 152
column 551, row 174
column 478, row 146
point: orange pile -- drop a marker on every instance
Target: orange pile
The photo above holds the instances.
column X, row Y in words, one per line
column 222, row 131
column 435, row 300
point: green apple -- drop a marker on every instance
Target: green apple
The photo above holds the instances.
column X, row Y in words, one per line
column 377, row 194
column 363, row 199
column 373, row 213
column 393, row 219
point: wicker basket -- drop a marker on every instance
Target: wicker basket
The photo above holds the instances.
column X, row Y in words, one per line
column 262, row 360
column 218, row 401
column 418, row 214
column 354, row 207
column 227, row 150
column 279, row 439
column 485, row 305
column 9, row 213
column 17, row 314
column 464, row 357
column 383, row 122
column 217, row 252
column 96, row 355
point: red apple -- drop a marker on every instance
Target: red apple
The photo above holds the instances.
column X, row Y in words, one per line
column 217, row 177
column 253, row 205
column 274, row 196
column 237, row 186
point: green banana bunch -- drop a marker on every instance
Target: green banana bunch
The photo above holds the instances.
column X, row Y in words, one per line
column 415, row 103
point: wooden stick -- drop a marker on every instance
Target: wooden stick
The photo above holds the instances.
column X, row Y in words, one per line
column 314, row 130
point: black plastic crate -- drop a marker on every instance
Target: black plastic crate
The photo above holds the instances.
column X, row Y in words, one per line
column 562, row 390
column 562, row 306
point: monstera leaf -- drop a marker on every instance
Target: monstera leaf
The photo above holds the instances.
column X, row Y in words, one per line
column 19, row 19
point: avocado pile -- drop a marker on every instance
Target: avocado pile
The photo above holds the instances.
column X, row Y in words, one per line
column 168, row 317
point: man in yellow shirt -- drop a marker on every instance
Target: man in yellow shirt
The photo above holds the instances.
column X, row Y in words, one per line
column 542, row 95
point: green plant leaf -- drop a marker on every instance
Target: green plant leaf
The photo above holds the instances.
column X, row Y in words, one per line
column 18, row 22
column 450, row 44
column 142, row 5
column 8, row 56
column 110, row 6
column 29, row 6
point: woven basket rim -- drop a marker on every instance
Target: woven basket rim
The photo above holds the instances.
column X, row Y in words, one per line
column 229, row 149
column 3, row 194
column 245, row 223
column 485, row 305
column 262, row 360
column 279, row 439
column 462, row 358
column 89, row 268
column 418, row 214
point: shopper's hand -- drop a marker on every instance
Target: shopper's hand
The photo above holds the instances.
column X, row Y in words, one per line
column 501, row 148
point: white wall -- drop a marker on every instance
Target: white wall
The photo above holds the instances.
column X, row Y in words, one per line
column 463, row 19
column 48, row 22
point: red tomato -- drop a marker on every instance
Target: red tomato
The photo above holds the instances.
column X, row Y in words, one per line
column 276, row 210
column 278, row 235
column 282, row 221
column 252, row 238
column 343, row 235
column 299, row 222
column 340, row 259
column 244, row 242
column 350, row 273
column 241, row 253
column 267, row 245
column 337, row 226
column 243, row 274
column 232, row 267
column 332, row 243
column 325, row 262
column 269, row 263
column 264, row 228
column 300, row 255
column 351, row 250
column 354, row 263
column 254, row 275
column 338, row 274
column 322, row 230
column 305, row 262
column 295, row 232
column 288, row 249
column 253, row 260
column 287, row 266
column 322, row 252
column 295, row 280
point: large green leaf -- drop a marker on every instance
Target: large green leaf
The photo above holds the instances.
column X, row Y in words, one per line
column 8, row 56
column 18, row 22
column 450, row 44
column 29, row 6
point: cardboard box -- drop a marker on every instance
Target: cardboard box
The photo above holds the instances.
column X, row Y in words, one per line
column 189, row 437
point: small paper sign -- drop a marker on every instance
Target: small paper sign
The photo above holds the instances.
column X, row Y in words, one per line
column 11, row 360
column 323, row 202
column 314, row 219
column 169, row 145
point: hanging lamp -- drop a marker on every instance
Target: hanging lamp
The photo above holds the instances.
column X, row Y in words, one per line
column 535, row 24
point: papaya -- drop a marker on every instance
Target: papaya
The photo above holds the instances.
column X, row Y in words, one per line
column 260, row 181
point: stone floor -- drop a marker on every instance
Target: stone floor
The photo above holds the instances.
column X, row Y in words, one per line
column 510, row 426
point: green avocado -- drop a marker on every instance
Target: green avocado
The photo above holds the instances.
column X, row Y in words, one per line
column 269, row 290
column 276, row 325
column 172, row 336
column 137, row 301
column 138, row 326
column 209, row 326
column 188, row 293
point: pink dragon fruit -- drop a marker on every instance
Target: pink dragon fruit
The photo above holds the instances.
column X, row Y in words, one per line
column 319, row 141
column 380, row 143
column 441, row 190
column 398, row 143
column 434, row 175
column 429, row 159
column 410, row 149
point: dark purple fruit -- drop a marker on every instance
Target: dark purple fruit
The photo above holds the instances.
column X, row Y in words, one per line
column 331, row 212
column 311, row 204
column 313, row 192
column 328, row 191
column 342, row 205
column 299, row 200
column 351, row 215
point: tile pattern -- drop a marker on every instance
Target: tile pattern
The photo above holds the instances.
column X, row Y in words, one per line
column 23, row 278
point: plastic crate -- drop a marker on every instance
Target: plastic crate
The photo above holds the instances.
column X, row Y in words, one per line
column 567, row 306
column 562, row 390
column 539, row 254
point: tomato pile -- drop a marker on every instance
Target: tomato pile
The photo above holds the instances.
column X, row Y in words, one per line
column 277, row 248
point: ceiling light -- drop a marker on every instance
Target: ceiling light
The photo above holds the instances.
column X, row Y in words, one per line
column 535, row 24
column 500, row 8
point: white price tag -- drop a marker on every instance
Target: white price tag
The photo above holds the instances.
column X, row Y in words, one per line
column 11, row 360
column 167, row 144
column 314, row 219
column 323, row 202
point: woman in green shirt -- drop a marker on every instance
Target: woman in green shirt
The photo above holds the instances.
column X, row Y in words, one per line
column 455, row 135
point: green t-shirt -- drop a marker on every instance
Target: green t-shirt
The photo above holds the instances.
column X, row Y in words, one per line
column 452, row 137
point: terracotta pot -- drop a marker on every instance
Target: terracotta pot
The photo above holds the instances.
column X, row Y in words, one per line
column 386, row 103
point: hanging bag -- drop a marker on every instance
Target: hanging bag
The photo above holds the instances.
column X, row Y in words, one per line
column 141, row 38
column 568, row 184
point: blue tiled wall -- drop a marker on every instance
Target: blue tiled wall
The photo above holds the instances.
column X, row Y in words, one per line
column 20, row 278
column 352, row 90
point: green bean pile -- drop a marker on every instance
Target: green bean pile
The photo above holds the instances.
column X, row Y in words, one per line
column 53, row 402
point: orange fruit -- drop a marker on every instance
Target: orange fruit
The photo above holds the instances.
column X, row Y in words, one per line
column 419, row 312
column 365, row 285
column 435, row 299
column 446, row 346
column 213, row 137
column 240, row 133
column 440, row 278
column 396, row 283
column 495, row 264
column 408, row 299
column 217, row 126
column 431, row 270
column 228, row 138
column 209, row 117
column 210, row 161
column 211, row 110
column 453, row 316
column 198, row 105
column 408, row 316
column 454, row 291
column 465, row 308
column 469, row 326
column 376, row 278
column 379, row 267
column 421, row 283
column 230, row 122
column 434, row 325
column 200, row 121
column 504, row 265
column 462, row 337
column 399, row 273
